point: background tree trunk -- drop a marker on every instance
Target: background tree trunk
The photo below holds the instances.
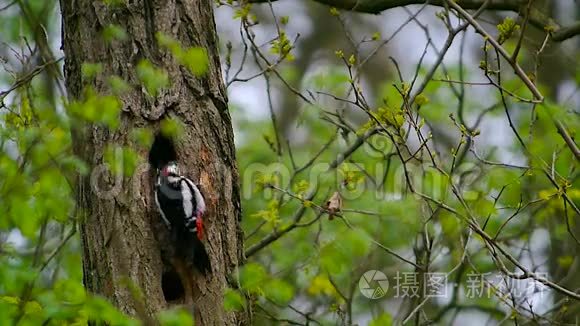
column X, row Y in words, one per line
column 125, row 246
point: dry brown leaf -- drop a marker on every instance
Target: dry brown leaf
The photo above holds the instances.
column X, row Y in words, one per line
column 333, row 205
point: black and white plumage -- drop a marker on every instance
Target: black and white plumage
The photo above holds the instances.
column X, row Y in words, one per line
column 180, row 204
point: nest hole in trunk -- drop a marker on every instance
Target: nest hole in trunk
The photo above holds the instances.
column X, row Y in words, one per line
column 172, row 287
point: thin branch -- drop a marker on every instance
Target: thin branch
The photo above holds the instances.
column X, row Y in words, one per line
column 378, row 6
column 518, row 71
column 537, row 18
column 28, row 77
column 565, row 33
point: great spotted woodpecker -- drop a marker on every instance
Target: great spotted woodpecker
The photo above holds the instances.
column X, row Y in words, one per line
column 180, row 204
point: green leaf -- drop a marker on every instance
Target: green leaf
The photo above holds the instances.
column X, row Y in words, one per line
column 243, row 11
column 97, row 109
column 121, row 159
column 565, row 261
column 195, row 59
column 252, row 276
column 114, row 33
column 114, row 3
column 355, row 242
column 471, row 195
column 23, row 207
column 384, row 319
column 506, row 29
column 171, row 127
column 142, row 136
column 175, row 317
column 333, row 259
column 351, row 60
column 71, row 292
column 449, row 224
column 233, row 300
column 421, row 99
column 152, row 78
column 91, row 70
column 118, row 85
column 111, row 107
column 282, row 46
column 484, row 207
column 321, row 285
column 279, row 291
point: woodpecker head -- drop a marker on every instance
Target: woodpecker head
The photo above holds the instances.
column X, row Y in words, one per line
column 171, row 172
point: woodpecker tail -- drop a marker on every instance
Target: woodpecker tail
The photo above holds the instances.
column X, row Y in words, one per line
column 162, row 151
column 200, row 257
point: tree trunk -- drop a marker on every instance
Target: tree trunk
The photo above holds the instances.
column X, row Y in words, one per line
column 127, row 256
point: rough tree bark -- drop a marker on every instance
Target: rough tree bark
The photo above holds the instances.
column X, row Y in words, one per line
column 125, row 250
